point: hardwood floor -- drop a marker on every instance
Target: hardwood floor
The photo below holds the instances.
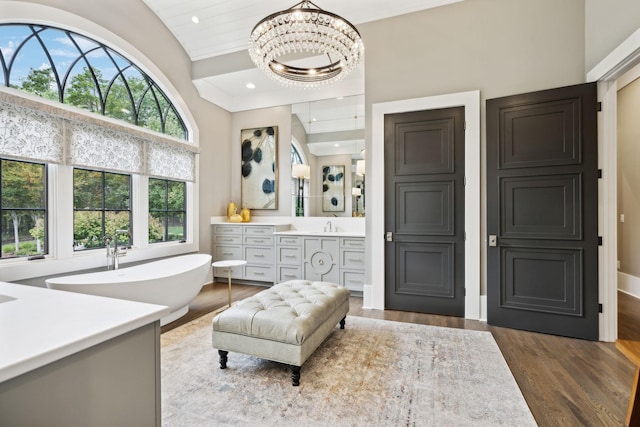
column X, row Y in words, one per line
column 566, row 382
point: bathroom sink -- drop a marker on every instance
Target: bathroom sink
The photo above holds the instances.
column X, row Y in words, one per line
column 5, row 298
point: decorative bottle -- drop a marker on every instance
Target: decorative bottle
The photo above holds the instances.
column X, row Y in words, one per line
column 231, row 209
column 246, row 214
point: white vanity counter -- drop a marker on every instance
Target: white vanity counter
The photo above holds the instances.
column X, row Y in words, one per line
column 39, row 326
column 322, row 233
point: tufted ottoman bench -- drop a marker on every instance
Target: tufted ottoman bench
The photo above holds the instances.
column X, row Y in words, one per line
column 284, row 323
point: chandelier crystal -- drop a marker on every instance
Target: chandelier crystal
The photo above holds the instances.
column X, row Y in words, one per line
column 302, row 29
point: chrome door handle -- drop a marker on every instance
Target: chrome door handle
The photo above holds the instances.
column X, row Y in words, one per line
column 493, row 240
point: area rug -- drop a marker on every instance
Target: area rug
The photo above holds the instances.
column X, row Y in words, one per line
column 372, row 373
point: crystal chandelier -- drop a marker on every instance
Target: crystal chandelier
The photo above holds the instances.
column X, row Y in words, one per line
column 305, row 28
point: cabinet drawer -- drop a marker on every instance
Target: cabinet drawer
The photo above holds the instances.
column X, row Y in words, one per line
column 223, row 252
column 263, row 273
column 250, row 230
column 227, row 229
column 289, row 240
column 352, row 259
column 353, row 280
column 258, row 255
column 228, row 239
column 289, row 256
column 351, row 242
column 288, row 273
column 258, row 240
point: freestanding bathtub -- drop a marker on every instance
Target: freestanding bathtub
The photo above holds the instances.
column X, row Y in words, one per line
column 172, row 282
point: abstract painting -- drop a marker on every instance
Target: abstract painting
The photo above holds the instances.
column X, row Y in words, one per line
column 259, row 168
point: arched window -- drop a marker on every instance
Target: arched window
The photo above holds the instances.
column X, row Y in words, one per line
column 73, row 69
column 296, row 159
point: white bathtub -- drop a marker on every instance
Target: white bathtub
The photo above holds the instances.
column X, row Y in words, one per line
column 173, row 282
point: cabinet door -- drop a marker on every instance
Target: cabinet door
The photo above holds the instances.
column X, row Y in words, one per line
column 321, row 261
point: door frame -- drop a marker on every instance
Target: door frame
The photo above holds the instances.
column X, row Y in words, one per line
column 607, row 72
column 374, row 289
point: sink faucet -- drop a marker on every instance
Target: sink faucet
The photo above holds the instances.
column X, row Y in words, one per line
column 118, row 252
column 328, row 226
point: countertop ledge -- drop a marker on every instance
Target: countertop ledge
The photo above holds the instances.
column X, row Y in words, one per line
column 321, row 233
column 39, row 326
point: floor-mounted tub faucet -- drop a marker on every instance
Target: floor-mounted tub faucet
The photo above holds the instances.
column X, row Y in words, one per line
column 328, row 227
column 107, row 242
column 119, row 252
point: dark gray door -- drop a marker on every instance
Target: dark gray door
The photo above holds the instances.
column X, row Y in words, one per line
column 542, row 212
column 424, row 211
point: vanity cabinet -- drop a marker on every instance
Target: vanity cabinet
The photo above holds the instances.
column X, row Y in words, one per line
column 252, row 242
column 320, row 259
column 352, row 263
column 327, row 258
column 288, row 258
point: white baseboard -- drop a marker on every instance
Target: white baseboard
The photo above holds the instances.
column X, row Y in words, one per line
column 629, row 284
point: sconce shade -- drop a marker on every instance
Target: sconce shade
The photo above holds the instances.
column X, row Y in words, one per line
column 300, row 171
column 355, row 191
column 360, row 167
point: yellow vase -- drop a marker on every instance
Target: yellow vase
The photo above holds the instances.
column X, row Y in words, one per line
column 246, row 215
column 231, row 209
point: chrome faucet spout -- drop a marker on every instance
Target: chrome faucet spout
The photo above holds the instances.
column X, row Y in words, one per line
column 328, row 226
column 107, row 241
column 117, row 252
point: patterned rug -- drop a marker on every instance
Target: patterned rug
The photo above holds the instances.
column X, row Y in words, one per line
column 373, row 373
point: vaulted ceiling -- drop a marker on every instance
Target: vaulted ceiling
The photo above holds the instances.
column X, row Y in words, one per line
column 217, row 45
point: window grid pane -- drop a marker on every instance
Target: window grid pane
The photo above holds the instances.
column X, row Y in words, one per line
column 23, row 213
column 102, row 205
column 167, row 210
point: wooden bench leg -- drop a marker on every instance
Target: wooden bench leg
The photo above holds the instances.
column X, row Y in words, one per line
column 295, row 375
column 223, row 358
column 633, row 413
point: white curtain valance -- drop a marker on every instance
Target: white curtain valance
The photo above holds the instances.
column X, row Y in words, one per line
column 95, row 147
column 28, row 134
column 40, row 131
column 167, row 161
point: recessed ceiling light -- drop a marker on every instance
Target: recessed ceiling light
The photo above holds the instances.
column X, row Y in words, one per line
column 336, row 145
column 340, row 97
column 195, row 19
column 250, row 85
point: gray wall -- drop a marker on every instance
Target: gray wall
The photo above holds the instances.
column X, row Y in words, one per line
column 608, row 23
column 500, row 47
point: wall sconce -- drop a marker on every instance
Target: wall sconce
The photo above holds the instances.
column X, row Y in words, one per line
column 301, row 172
column 356, row 192
column 360, row 166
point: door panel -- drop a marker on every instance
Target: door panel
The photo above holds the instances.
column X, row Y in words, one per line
column 424, row 210
column 542, row 205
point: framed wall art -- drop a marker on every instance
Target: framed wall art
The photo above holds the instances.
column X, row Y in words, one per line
column 333, row 188
column 259, row 167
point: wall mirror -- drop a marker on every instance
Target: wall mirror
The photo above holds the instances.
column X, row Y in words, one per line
column 330, row 133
